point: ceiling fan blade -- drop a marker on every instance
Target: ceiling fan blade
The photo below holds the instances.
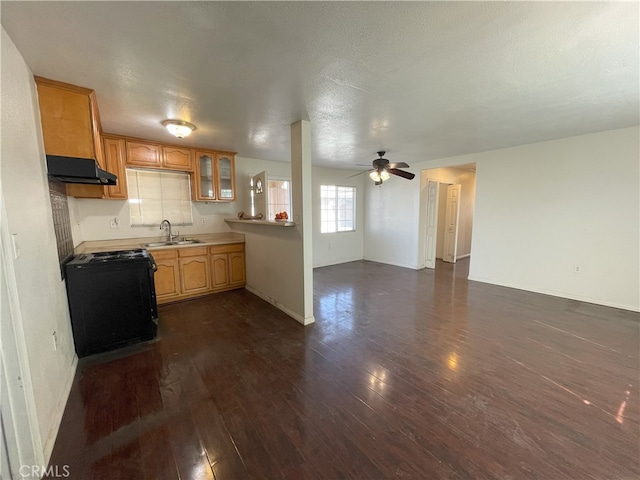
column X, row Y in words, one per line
column 402, row 173
column 363, row 164
column 359, row 173
column 398, row 165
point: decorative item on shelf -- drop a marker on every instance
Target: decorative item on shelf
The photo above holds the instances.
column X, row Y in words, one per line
column 282, row 217
column 179, row 128
column 244, row 216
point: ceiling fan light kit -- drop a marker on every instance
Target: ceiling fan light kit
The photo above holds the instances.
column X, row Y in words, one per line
column 379, row 175
column 382, row 170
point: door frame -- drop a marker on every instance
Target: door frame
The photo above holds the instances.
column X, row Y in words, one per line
column 426, row 175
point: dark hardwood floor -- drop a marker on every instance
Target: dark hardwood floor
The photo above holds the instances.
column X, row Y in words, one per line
column 405, row 374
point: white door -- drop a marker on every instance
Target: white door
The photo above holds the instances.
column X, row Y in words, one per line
column 259, row 202
column 19, row 439
column 432, row 223
column 451, row 223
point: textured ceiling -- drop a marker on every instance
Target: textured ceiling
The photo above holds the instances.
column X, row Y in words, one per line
column 421, row 80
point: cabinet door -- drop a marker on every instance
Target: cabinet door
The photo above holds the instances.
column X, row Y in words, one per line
column 236, row 269
column 66, row 119
column 220, row 270
column 195, row 274
column 226, row 181
column 143, row 155
column 114, row 152
column 167, row 280
column 203, row 179
column 177, row 158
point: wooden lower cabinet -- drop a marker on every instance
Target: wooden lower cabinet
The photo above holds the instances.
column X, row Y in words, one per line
column 220, row 270
column 167, row 277
column 189, row 272
column 227, row 266
column 194, row 270
column 236, row 268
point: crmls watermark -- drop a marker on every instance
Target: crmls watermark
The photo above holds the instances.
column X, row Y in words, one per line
column 39, row 471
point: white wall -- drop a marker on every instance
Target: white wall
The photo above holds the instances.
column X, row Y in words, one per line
column 391, row 221
column 540, row 210
column 41, row 303
column 273, row 260
column 332, row 248
column 543, row 209
column 91, row 219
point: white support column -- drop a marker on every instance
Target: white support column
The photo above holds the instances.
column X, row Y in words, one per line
column 302, row 209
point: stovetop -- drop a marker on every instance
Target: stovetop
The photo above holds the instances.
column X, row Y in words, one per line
column 110, row 257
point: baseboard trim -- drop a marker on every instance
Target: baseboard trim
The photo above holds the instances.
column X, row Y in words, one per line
column 298, row 318
column 338, row 262
column 460, row 257
column 53, row 433
column 403, row 265
column 554, row 293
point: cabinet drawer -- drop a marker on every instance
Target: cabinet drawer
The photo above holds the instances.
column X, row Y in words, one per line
column 228, row 248
column 192, row 251
column 164, row 254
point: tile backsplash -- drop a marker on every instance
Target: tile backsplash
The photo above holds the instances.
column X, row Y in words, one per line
column 61, row 221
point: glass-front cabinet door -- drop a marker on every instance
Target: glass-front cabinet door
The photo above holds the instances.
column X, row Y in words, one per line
column 205, row 176
column 214, row 178
column 225, row 169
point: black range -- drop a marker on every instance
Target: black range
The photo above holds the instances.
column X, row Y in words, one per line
column 112, row 299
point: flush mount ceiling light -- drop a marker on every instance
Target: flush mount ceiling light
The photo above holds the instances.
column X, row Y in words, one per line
column 179, row 128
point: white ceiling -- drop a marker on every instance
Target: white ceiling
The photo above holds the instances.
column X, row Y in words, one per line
column 421, row 80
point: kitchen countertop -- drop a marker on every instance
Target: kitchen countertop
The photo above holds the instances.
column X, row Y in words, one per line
column 130, row 243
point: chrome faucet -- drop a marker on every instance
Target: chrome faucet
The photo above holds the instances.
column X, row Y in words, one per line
column 170, row 236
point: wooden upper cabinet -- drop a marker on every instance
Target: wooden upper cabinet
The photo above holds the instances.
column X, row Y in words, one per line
column 70, row 120
column 143, row 155
column 71, row 127
column 203, row 184
column 226, row 173
column 153, row 155
column 177, row 158
column 114, row 153
column 214, row 177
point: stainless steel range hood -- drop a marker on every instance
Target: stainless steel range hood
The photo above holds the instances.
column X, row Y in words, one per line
column 78, row 170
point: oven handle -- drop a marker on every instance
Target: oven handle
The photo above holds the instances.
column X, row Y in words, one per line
column 154, row 265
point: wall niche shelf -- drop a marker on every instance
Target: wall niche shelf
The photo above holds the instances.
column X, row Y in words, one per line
column 261, row 222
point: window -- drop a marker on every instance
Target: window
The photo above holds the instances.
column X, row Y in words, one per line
column 279, row 198
column 337, row 209
column 156, row 195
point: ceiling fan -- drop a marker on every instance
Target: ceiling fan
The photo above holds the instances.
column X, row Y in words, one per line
column 382, row 170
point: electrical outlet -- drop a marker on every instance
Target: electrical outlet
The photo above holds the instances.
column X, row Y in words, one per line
column 114, row 223
column 203, row 221
column 577, row 269
column 55, row 340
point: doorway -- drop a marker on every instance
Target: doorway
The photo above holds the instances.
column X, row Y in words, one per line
column 447, row 205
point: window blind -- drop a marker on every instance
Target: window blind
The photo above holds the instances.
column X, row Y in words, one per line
column 155, row 195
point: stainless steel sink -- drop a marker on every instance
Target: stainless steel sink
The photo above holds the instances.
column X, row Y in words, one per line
column 173, row 242
column 157, row 244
